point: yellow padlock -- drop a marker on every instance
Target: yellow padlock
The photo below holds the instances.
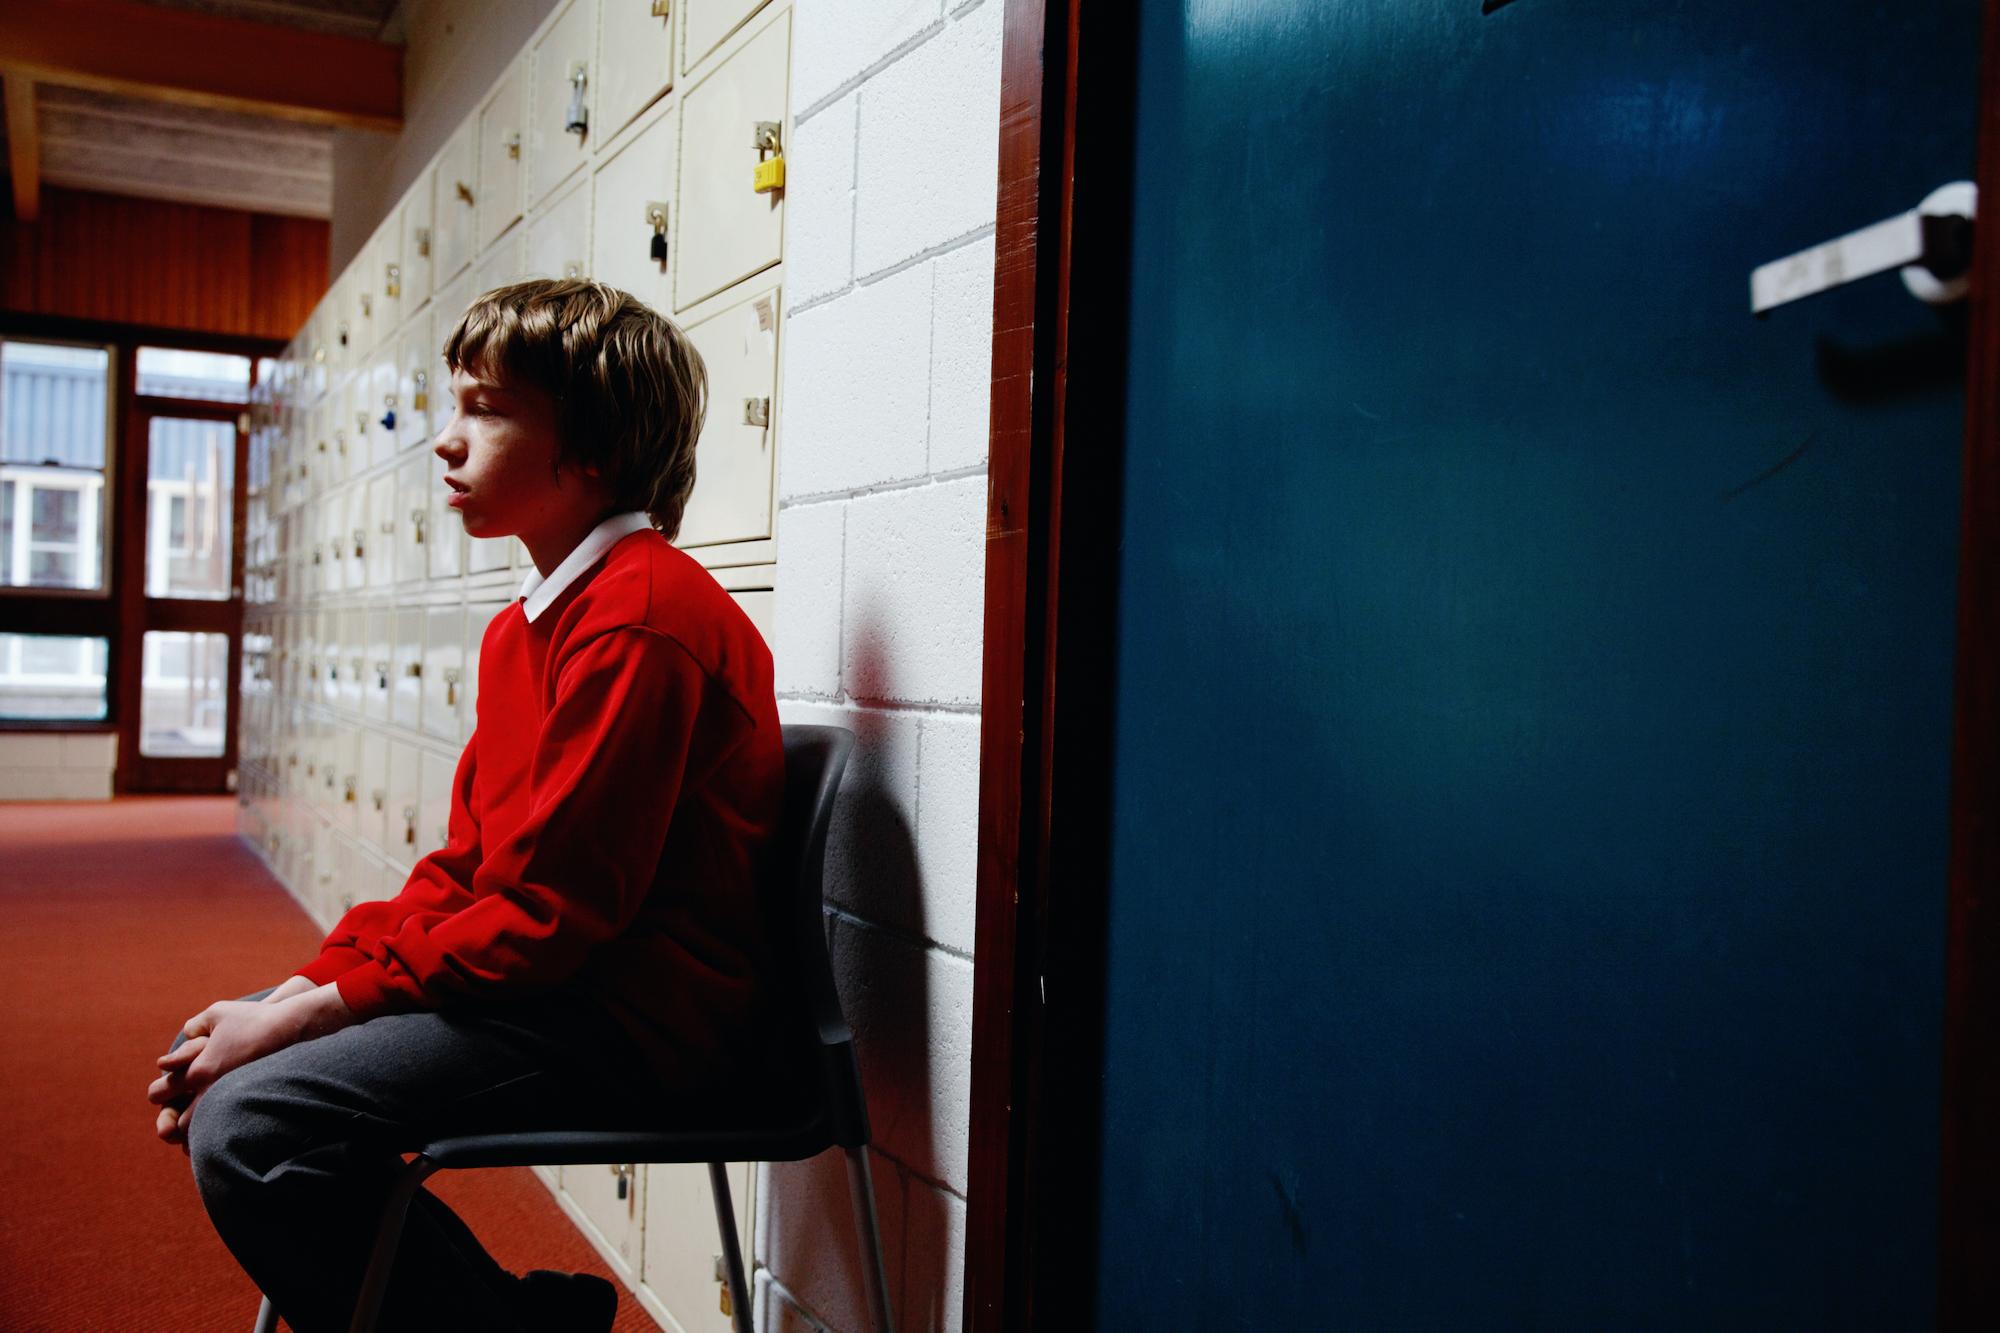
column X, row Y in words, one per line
column 770, row 176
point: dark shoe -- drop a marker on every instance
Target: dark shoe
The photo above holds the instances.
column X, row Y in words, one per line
column 567, row 1302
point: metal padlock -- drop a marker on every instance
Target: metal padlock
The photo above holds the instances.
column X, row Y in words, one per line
column 420, row 399
column 423, row 242
column 451, row 687
column 392, row 280
column 577, row 120
column 769, row 176
column 722, row 1280
column 417, row 517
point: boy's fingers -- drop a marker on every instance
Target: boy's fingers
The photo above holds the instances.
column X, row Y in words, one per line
column 184, row 1055
column 168, row 1125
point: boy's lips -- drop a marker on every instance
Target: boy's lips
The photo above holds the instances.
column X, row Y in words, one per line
column 458, row 491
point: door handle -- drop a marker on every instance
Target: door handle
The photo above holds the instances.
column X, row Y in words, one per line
column 1931, row 244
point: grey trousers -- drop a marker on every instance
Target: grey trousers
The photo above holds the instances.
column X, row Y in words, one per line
column 293, row 1154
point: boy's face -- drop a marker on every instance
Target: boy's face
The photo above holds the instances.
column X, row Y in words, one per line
column 500, row 449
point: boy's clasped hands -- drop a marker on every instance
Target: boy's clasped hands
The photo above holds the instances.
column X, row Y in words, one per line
column 229, row 1033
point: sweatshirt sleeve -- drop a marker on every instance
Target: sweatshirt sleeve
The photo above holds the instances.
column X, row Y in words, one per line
column 607, row 772
column 440, row 882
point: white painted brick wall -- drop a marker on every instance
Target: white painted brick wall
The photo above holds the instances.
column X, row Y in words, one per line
column 880, row 607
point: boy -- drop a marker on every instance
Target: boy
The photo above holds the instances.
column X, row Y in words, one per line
column 586, row 949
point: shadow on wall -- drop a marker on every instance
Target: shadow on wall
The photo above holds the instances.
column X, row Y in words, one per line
column 807, row 1228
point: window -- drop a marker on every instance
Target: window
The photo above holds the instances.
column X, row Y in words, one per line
column 184, row 704
column 46, row 677
column 168, row 372
column 54, row 413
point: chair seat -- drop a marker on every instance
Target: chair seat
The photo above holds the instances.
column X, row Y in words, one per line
column 581, row 1147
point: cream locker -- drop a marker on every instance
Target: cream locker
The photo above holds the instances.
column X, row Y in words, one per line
column 434, row 822
column 354, row 546
column 617, row 1222
column 406, row 690
column 413, row 518
column 728, row 230
column 634, row 199
column 389, row 881
column 386, row 276
column 708, row 22
column 382, row 530
column 363, row 278
column 454, row 211
column 758, row 605
column 477, row 617
column 444, row 671
column 483, row 555
column 340, row 344
column 634, row 62
column 354, row 662
column 417, row 240
column 559, row 236
column 416, row 395
column 331, row 647
column 560, row 97
column 375, row 686
column 500, row 176
column 733, row 464
column 681, row 1251
column 344, row 763
column 505, row 262
column 444, row 534
column 380, row 410
column 399, row 838
column 371, row 805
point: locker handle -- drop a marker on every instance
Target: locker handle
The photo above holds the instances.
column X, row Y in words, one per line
column 1931, row 244
column 379, row 797
column 464, row 192
column 513, row 144
column 367, row 305
column 348, row 784
column 414, row 669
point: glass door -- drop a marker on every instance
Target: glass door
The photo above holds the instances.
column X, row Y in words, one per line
column 190, row 615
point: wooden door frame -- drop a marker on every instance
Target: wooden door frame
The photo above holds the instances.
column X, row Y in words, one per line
column 1053, row 511
column 138, row 772
column 113, row 613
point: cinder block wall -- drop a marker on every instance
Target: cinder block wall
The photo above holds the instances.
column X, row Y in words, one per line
column 881, row 529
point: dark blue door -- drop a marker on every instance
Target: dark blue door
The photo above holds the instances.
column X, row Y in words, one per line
column 1533, row 701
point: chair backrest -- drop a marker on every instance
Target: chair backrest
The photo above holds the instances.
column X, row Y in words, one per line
column 815, row 758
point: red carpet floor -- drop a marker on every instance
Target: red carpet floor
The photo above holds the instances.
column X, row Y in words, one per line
column 118, row 920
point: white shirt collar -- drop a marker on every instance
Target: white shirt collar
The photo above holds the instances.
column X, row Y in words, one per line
column 538, row 593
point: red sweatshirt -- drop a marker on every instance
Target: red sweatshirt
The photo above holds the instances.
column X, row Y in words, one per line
column 608, row 816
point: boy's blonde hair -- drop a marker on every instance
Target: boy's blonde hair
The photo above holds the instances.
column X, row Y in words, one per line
column 630, row 390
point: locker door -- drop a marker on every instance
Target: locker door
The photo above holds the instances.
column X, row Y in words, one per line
column 386, row 276
column 364, row 292
column 413, row 519
column 728, row 230
column 383, row 404
column 632, row 189
column 354, row 659
column 616, row 1221
column 434, row 819
column 372, row 799
column 418, row 240
column 399, row 835
column 444, row 671
column 354, row 540
column 505, row 262
column 382, row 530
column 500, row 176
column 709, row 22
column 406, row 693
column 559, row 237
column 634, row 62
column 732, row 492
column 453, row 209
column 477, row 617
column 757, row 604
column 680, row 1238
column 444, row 533
column 375, row 686
column 416, row 393
column 562, row 69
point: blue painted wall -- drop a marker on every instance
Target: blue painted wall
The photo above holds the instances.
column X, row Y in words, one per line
column 1533, row 700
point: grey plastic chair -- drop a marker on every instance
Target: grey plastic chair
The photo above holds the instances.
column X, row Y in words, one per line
column 833, row 1112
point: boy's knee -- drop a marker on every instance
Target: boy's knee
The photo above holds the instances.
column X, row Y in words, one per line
column 223, row 1133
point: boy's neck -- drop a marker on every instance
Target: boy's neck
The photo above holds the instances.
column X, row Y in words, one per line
column 552, row 546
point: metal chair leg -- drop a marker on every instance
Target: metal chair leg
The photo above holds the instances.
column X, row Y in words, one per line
column 267, row 1318
column 732, row 1253
column 874, row 1284
column 382, row 1261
